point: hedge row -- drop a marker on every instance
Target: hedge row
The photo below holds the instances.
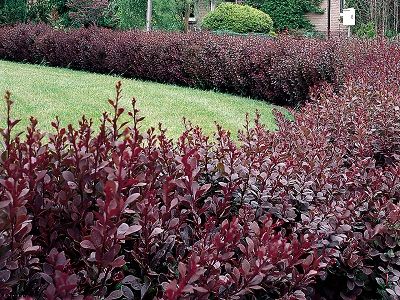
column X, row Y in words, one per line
column 280, row 71
column 311, row 211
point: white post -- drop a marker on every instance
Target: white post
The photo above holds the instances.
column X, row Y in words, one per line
column 349, row 19
column 149, row 13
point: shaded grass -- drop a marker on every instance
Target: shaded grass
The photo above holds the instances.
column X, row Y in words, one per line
column 46, row 92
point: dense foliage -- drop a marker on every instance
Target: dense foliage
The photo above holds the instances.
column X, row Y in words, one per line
column 288, row 14
column 131, row 13
column 117, row 14
column 59, row 13
column 366, row 30
column 167, row 15
column 84, row 13
column 280, row 71
column 309, row 211
column 238, row 18
column 380, row 17
column 12, row 11
column 121, row 14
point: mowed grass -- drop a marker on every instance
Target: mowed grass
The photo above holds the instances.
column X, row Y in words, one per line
column 46, row 92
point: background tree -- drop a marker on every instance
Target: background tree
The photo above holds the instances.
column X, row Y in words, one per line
column 167, row 16
column 186, row 9
column 131, row 13
column 38, row 11
column 376, row 17
column 149, row 15
column 288, row 14
column 58, row 13
column 89, row 12
column 13, row 11
column 122, row 14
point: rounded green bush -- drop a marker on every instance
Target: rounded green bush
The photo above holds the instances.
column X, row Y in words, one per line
column 238, row 18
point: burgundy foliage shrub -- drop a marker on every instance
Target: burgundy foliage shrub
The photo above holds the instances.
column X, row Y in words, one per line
column 309, row 211
column 281, row 70
column 120, row 213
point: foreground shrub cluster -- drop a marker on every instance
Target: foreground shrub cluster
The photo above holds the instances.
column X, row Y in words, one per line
column 280, row 71
column 308, row 212
column 127, row 214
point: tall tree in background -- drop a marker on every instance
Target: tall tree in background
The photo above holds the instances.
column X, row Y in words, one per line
column 171, row 14
column 54, row 12
column 38, row 11
column 58, row 12
column 166, row 15
column 88, row 12
column 149, row 14
column 13, row 11
column 183, row 9
column 131, row 13
column 380, row 16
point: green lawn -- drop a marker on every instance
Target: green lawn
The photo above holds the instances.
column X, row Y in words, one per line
column 46, row 92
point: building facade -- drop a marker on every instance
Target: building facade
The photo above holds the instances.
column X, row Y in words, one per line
column 323, row 22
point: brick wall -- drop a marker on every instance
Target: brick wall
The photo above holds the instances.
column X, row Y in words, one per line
column 321, row 20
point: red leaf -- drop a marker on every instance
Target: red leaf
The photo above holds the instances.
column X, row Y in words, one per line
column 87, row 245
column 200, row 289
column 156, row 231
column 182, row 269
column 246, row 266
column 131, row 199
column 118, row 262
column 256, row 280
column 68, row 176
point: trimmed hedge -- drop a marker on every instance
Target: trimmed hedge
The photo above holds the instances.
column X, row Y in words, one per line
column 279, row 71
column 238, row 18
column 310, row 211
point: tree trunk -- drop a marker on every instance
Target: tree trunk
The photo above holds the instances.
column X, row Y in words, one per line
column 149, row 14
column 187, row 16
column 212, row 4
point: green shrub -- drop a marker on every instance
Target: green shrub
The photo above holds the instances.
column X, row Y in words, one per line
column 131, row 14
column 269, row 35
column 366, row 30
column 12, row 11
column 39, row 11
column 167, row 16
column 89, row 12
column 307, row 33
column 238, row 18
column 390, row 34
column 288, row 14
